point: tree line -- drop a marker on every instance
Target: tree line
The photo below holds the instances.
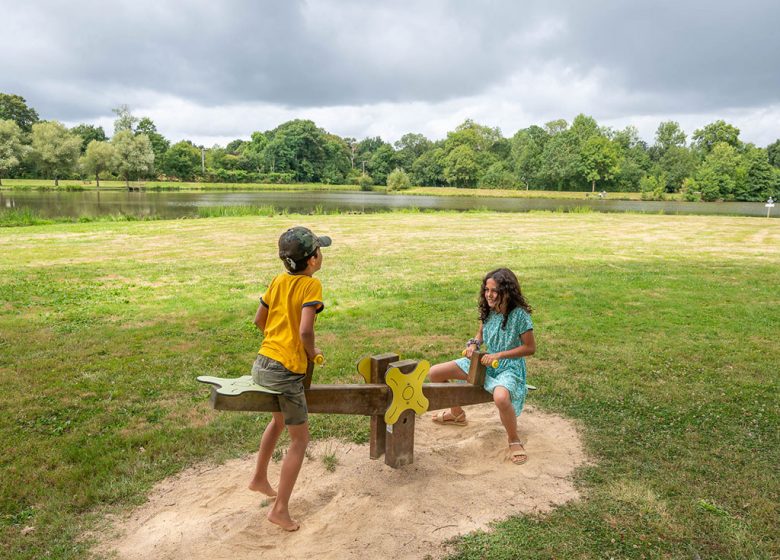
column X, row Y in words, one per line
column 714, row 165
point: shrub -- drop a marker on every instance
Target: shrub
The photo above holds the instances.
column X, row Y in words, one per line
column 398, row 180
column 653, row 187
column 365, row 181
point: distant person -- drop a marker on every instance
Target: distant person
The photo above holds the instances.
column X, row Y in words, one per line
column 286, row 315
column 506, row 329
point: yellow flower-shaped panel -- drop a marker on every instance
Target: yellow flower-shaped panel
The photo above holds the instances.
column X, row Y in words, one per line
column 364, row 368
column 407, row 391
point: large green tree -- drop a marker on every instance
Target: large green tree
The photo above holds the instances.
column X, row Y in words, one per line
column 461, row 166
column 337, row 160
column 160, row 144
column 99, row 157
column 669, row 135
column 471, row 149
column 297, row 147
column 125, row 120
column 599, row 159
column 677, row 164
column 428, row 169
column 134, row 155
column 12, row 146
column 410, row 147
column 773, row 151
column 381, row 164
column 88, row 133
column 704, row 139
column 635, row 159
column 526, row 155
column 757, row 182
column 716, row 178
column 560, row 158
column 14, row 107
column 55, row 150
column 182, row 161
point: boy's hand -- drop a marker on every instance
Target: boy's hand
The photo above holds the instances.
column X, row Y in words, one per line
column 313, row 357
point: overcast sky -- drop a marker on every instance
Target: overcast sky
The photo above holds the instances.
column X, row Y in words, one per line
column 212, row 71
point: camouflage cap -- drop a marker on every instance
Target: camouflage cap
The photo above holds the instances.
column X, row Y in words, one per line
column 298, row 243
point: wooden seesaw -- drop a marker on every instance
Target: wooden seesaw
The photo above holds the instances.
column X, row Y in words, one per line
column 394, row 391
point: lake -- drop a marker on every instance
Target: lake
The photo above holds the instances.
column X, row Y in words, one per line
column 179, row 204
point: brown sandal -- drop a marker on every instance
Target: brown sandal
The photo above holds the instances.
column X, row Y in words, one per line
column 447, row 417
column 517, row 456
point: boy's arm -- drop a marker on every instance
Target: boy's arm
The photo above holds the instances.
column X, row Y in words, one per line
column 306, row 331
column 261, row 316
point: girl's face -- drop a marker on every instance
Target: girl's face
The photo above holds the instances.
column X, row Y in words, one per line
column 492, row 296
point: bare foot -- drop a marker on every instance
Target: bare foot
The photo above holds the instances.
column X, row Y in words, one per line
column 263, row 488
column 283, row 521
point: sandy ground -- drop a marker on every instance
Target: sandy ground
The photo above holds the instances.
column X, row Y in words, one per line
column 459, row 482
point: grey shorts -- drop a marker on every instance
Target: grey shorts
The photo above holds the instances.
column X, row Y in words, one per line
column 292, row 401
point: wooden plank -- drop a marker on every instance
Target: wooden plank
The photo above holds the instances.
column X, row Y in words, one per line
column 445, row 395
column 363, row 399
column 399, row 439
column 378, row 433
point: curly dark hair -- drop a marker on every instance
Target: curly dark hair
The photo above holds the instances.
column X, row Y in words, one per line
column 508, row 292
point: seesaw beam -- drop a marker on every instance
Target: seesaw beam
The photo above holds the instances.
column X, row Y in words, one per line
column 361, row 399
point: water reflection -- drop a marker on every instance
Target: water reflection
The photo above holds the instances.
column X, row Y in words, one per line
column 186, row 204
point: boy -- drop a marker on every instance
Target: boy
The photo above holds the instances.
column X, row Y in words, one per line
column 286, row 316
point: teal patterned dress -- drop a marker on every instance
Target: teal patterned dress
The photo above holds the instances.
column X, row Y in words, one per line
column 510, row 372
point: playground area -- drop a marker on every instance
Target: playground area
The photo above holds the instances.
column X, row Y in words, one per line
column 459, row 482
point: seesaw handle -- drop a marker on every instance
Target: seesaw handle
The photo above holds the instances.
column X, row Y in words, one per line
column 494, row 363
column 319, row 359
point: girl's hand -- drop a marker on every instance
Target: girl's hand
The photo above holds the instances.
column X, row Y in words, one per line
column 469, row 351
column 488, row 359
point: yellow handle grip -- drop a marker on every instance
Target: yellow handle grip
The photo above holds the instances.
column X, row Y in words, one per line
column 319, row 359
column 494, row 363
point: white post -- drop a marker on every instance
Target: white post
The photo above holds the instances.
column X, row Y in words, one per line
column 769, row 205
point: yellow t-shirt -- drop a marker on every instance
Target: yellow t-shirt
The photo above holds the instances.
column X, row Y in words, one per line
column 285, row 299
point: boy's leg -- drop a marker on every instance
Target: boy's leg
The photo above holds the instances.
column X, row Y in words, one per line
column 445, row 371
column 271, row 435
column 291, row 466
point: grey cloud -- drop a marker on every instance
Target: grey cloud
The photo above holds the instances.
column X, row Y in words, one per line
column 75, row 60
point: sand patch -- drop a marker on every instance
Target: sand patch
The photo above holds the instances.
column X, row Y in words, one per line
column 460, row 482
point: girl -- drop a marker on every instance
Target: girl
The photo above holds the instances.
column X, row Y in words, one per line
column 506, row 328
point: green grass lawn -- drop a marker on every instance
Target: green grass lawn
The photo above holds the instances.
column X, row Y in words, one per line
column 658, row 334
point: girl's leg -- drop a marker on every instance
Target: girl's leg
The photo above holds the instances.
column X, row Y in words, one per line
column 271, row 435
column 506, row 412
column 444, row 372
column 291, row 466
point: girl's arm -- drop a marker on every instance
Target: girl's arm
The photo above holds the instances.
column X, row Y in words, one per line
column 261, row 317
column 527, row 348
column 306, row 331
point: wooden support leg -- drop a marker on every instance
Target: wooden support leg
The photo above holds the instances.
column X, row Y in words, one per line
column 399, row 444
column 399, row 447
column 379, row 364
